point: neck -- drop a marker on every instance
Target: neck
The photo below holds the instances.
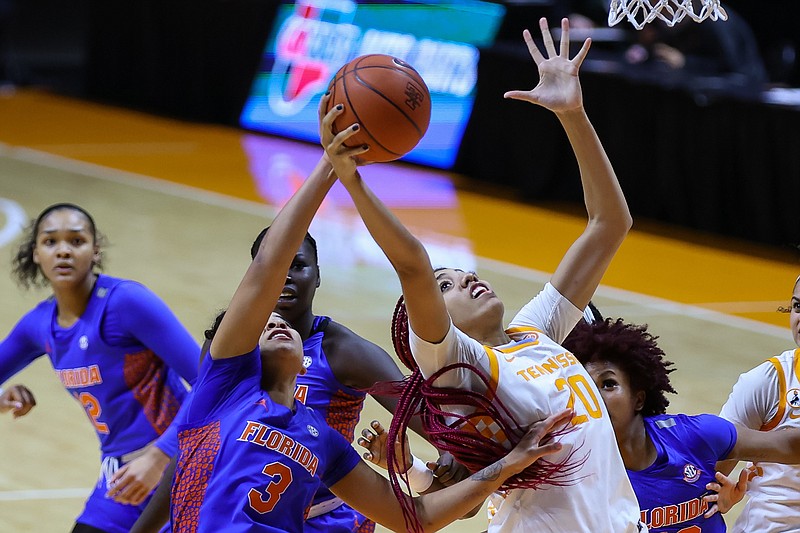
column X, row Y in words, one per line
column 72, row 300
column 637, row 449
column 304, row 324
column 493, row 337
column 281, row 391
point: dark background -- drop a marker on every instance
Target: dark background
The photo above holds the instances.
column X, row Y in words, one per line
column 698, row 149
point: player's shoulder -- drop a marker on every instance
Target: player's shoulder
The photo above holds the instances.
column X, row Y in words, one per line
column 39, row 316
column 339, row 337
column 674, row 421
column 124, row 291
column 687, row 424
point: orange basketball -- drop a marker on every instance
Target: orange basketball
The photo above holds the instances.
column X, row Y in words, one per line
column 388, row 99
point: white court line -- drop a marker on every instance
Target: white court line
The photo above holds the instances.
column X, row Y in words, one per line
column 15, row 220
column 43, row 494
column 652, row 303
column 131, row 179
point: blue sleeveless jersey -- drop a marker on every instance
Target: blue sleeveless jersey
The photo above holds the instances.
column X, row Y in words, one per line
column 341, row 407
column 246, row 463
column 339, row 404
column 670, row 491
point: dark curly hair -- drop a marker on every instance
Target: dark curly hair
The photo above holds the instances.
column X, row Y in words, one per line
column 631, row 348
column 24, row 270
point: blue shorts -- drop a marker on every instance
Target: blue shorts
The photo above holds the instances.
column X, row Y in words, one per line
column 343, row 519
column 104, row 513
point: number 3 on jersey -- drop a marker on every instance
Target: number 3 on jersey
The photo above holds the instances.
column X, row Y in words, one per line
column 578, row 386
column 265, row 501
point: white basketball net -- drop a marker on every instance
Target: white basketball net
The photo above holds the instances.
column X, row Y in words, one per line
column 641, row 12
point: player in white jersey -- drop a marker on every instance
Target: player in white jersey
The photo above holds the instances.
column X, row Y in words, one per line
column 767, row 398
column 457, row 318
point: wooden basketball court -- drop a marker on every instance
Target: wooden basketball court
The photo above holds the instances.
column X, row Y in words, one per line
column 181, row 203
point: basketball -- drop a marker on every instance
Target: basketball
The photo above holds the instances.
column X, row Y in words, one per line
column 388, row 99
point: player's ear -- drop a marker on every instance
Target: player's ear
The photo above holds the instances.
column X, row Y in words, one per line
column 641, row 396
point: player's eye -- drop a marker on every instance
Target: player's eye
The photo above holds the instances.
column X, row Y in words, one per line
column 609, row 383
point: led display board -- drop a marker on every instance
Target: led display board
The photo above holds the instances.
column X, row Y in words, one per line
column 311, row 39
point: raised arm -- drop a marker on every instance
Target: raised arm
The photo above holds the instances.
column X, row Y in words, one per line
column 426, row 310
column 258, row 292
column 559, row 90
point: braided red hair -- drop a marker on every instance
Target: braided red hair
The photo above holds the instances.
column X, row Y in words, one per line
column 446, row 429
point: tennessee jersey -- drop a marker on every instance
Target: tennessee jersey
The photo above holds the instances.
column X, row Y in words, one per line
column 534, row 377
column 245, row 462
column 767, row 398
column 670, row 491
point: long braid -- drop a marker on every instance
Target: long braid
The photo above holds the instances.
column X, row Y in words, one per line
column 474, row 450
column 445, row 428
column 408, row 404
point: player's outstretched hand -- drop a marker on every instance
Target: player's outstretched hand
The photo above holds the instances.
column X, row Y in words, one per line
column 18, row 399
column 344, row 160
column 726, row 493
column 375, row 443
column 559, row 88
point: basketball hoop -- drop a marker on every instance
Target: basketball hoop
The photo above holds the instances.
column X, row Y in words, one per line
column 641, row 12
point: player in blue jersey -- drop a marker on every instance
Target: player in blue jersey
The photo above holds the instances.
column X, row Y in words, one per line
column 116, row 348
column 340, row 365
column 670, row 459
column 251, row 455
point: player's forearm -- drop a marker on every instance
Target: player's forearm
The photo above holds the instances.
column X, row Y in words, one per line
column 602, row 193
column 436, row 510
column 403, row 250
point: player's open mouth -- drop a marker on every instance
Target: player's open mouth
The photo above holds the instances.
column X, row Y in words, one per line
column 287, row 294
column 479, row 290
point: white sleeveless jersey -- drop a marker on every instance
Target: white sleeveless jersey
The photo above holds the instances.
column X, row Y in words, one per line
column 533, row 376
column 767, row 398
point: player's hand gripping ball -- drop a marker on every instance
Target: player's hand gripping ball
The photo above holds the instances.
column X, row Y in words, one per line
column 388, row 99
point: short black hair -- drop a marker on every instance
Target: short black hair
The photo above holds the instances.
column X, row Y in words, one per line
column 257, row 243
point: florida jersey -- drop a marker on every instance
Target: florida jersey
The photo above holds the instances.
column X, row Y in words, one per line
column 671, row 490
column 121, row 360
column 245, row 462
